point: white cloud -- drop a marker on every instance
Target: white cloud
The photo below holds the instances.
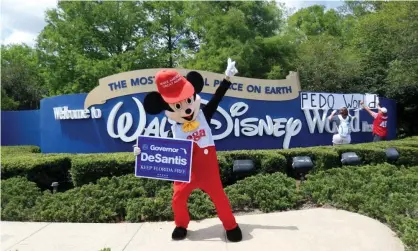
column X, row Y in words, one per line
column 296, row 5
column 17, row 37
column 22, row 20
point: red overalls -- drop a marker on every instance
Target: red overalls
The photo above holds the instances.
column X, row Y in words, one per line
column 205, row 176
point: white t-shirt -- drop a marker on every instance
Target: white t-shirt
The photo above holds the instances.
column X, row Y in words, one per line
column 344, row 128
column 202, row 136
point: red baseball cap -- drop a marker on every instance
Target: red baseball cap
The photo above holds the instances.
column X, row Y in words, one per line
column 172, row 86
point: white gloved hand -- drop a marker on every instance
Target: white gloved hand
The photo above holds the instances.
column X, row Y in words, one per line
column 137, row 150
column 230, row 69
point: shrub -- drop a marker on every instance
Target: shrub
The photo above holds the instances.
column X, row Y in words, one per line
column 18, row 196
column 408, row 154
column 41, row 169
column 384, row 192
column 200, row 205
column 102, row 202
column 159, row 207
column 368, row 153
column 267, row 192
column 88, row 168
column 410, row 141
column 12, row 150
column 322, row 158
column 225, row 169
column 130, row 198
column 156, row 208
column 265, row 161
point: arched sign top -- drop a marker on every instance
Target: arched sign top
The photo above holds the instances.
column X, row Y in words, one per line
column 141, row 81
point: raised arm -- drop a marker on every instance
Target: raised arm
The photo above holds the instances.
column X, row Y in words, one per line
column 373, row 114
column 332, row 115
column 211, row 107
column 213, row 103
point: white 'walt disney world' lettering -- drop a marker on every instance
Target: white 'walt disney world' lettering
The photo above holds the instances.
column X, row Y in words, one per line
column 321, row 122
column 250, row 127
column 63, row 113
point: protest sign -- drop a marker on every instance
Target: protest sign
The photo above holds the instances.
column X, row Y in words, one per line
column 164, row 159
column 332, row 101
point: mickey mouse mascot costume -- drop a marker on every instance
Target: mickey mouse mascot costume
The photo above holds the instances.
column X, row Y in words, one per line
column 178, row 97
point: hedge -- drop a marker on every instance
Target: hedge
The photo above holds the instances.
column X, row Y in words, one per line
column 18, row 197
column 408, row 154
column 266, row 192
column 265, row 161
column 101, row 202
column 384, row 192
column 129, row 198
column 322, row 158
column 367, row 153
column 159, row 208
column 11, row 150
column 87, row 168
column 41, row 169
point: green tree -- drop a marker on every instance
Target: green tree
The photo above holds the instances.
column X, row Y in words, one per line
column 246, row 31
column 314, row 20
column 85, row 41
column 22, row 85
column 384, row 35
column 171, row 31
column 324, row 65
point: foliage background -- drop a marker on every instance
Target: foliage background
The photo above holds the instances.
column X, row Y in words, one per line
column 360, row 47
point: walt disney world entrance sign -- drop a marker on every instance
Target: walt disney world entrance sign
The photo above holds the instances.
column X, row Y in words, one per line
column 254, row 114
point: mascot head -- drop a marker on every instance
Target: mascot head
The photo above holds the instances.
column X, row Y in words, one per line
column 177, row 95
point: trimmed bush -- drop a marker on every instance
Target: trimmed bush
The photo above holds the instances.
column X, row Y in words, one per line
column 134, row 199
column 159, row 208
column 267, row 192
column 367, row 153
column 18, row 196
column 410, row 141
column 41, row 169
column 12, row 150
column 384, row 192
column 322, row 158
column 408, row 154
column 265, row 161
column 156, row 208
column 88, row 168
column 225, row 169
column 105, row 201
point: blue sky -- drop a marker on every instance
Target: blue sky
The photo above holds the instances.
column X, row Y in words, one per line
column 22, row 20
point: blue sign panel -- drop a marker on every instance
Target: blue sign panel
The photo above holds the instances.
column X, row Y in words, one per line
column 254, row 114
column 164, row 159
column 20, row 128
